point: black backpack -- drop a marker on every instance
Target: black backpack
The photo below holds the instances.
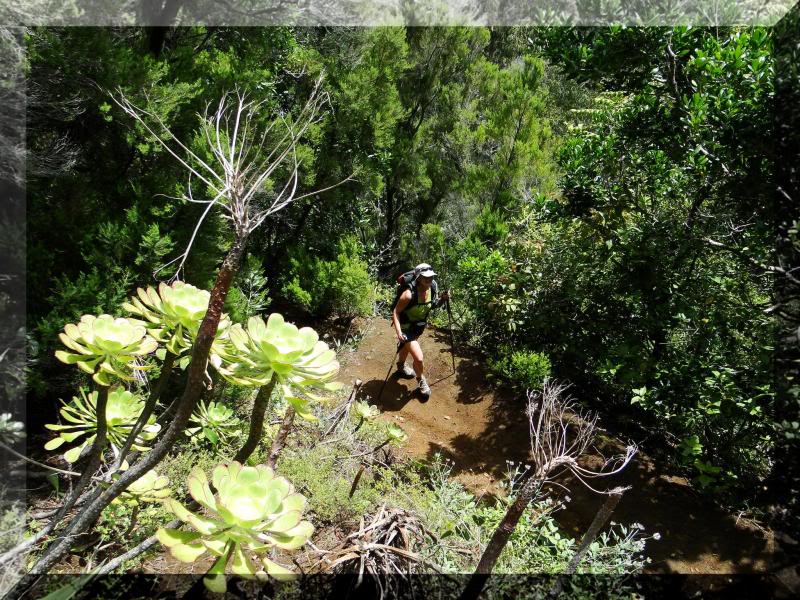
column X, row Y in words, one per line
column 407, row 281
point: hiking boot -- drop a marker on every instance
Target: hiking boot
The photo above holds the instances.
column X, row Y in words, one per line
column 424, row 388
column 405, row 371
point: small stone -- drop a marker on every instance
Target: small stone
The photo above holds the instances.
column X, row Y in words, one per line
column 446, row 417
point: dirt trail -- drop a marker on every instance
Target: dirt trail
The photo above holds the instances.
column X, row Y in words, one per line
column 480, row 429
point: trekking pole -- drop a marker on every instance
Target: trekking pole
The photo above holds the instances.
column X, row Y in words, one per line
column 389, row 372
column 449, row 317
column 450, row 327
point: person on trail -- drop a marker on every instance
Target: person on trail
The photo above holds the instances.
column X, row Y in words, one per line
column 410, row 316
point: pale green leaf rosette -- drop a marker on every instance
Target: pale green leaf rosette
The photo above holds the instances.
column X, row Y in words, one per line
column 106, row 347
column 364, row 410
column 214, row 422
column 80, row 422
column 301, row 363
column 396, row 433
column 173, row 314
column 150, row 487
column 252, row 513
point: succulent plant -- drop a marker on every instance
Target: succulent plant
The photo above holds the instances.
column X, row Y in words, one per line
column 216, row 422
column 173, row 314
column 122, row 411
column 106, row 347
column 297, row 358
column 396, row 433
column 150, row 487
column 364, row 410
column 252, row 512
column 11, row 432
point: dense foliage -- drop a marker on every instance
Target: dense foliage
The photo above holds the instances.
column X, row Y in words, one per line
column 599, row 200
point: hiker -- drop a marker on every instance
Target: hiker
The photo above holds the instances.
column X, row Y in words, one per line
column 410, row 316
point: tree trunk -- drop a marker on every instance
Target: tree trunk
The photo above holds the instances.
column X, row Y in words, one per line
column 161, row 18
column 149, row 407
column 95, row 455
column 256, row 421
column 390, row 212
column 356, row 479
column 597, row 524
column 280, row 440
column 500, row 539
column 194, row 387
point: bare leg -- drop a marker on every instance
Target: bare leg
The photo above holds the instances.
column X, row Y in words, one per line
column 416, row 354
column 402, row 355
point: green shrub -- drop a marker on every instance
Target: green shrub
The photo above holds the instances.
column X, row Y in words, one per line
column 180, row 463
column 463, row 525
column 295, row 292
column 490, row 227
column 13, row 523
column 523, row 368
column 483, row 290
column 325, row 476
column 130, row 525
column 248, row 295
column 427, row 245
column 341, row 286
column 351, row 291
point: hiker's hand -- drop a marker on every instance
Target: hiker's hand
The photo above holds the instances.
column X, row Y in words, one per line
column 401, row 337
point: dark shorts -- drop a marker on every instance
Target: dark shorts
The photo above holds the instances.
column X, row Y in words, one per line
column 412, row 330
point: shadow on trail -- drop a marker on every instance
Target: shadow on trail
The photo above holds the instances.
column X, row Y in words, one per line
column 696, row 535
column 479, row 425
column 396, row 394
column 505, row 435
column 470, row 380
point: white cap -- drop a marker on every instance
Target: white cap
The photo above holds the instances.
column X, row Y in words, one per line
column 424, row 270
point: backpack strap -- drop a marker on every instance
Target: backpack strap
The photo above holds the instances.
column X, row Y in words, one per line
column 434, row 293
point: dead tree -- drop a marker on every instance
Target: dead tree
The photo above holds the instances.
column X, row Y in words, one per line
column 560, row 434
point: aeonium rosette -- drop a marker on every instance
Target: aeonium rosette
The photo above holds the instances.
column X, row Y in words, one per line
column 252, row 513
column 173, row 315
column 396, row 434
column 150, row 487
column 213, row 421
column 301, row 362
column 365, row 411
column 106, row 347
column 80, row 422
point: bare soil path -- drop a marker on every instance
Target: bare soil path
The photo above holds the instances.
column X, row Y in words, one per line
column 480, row 428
